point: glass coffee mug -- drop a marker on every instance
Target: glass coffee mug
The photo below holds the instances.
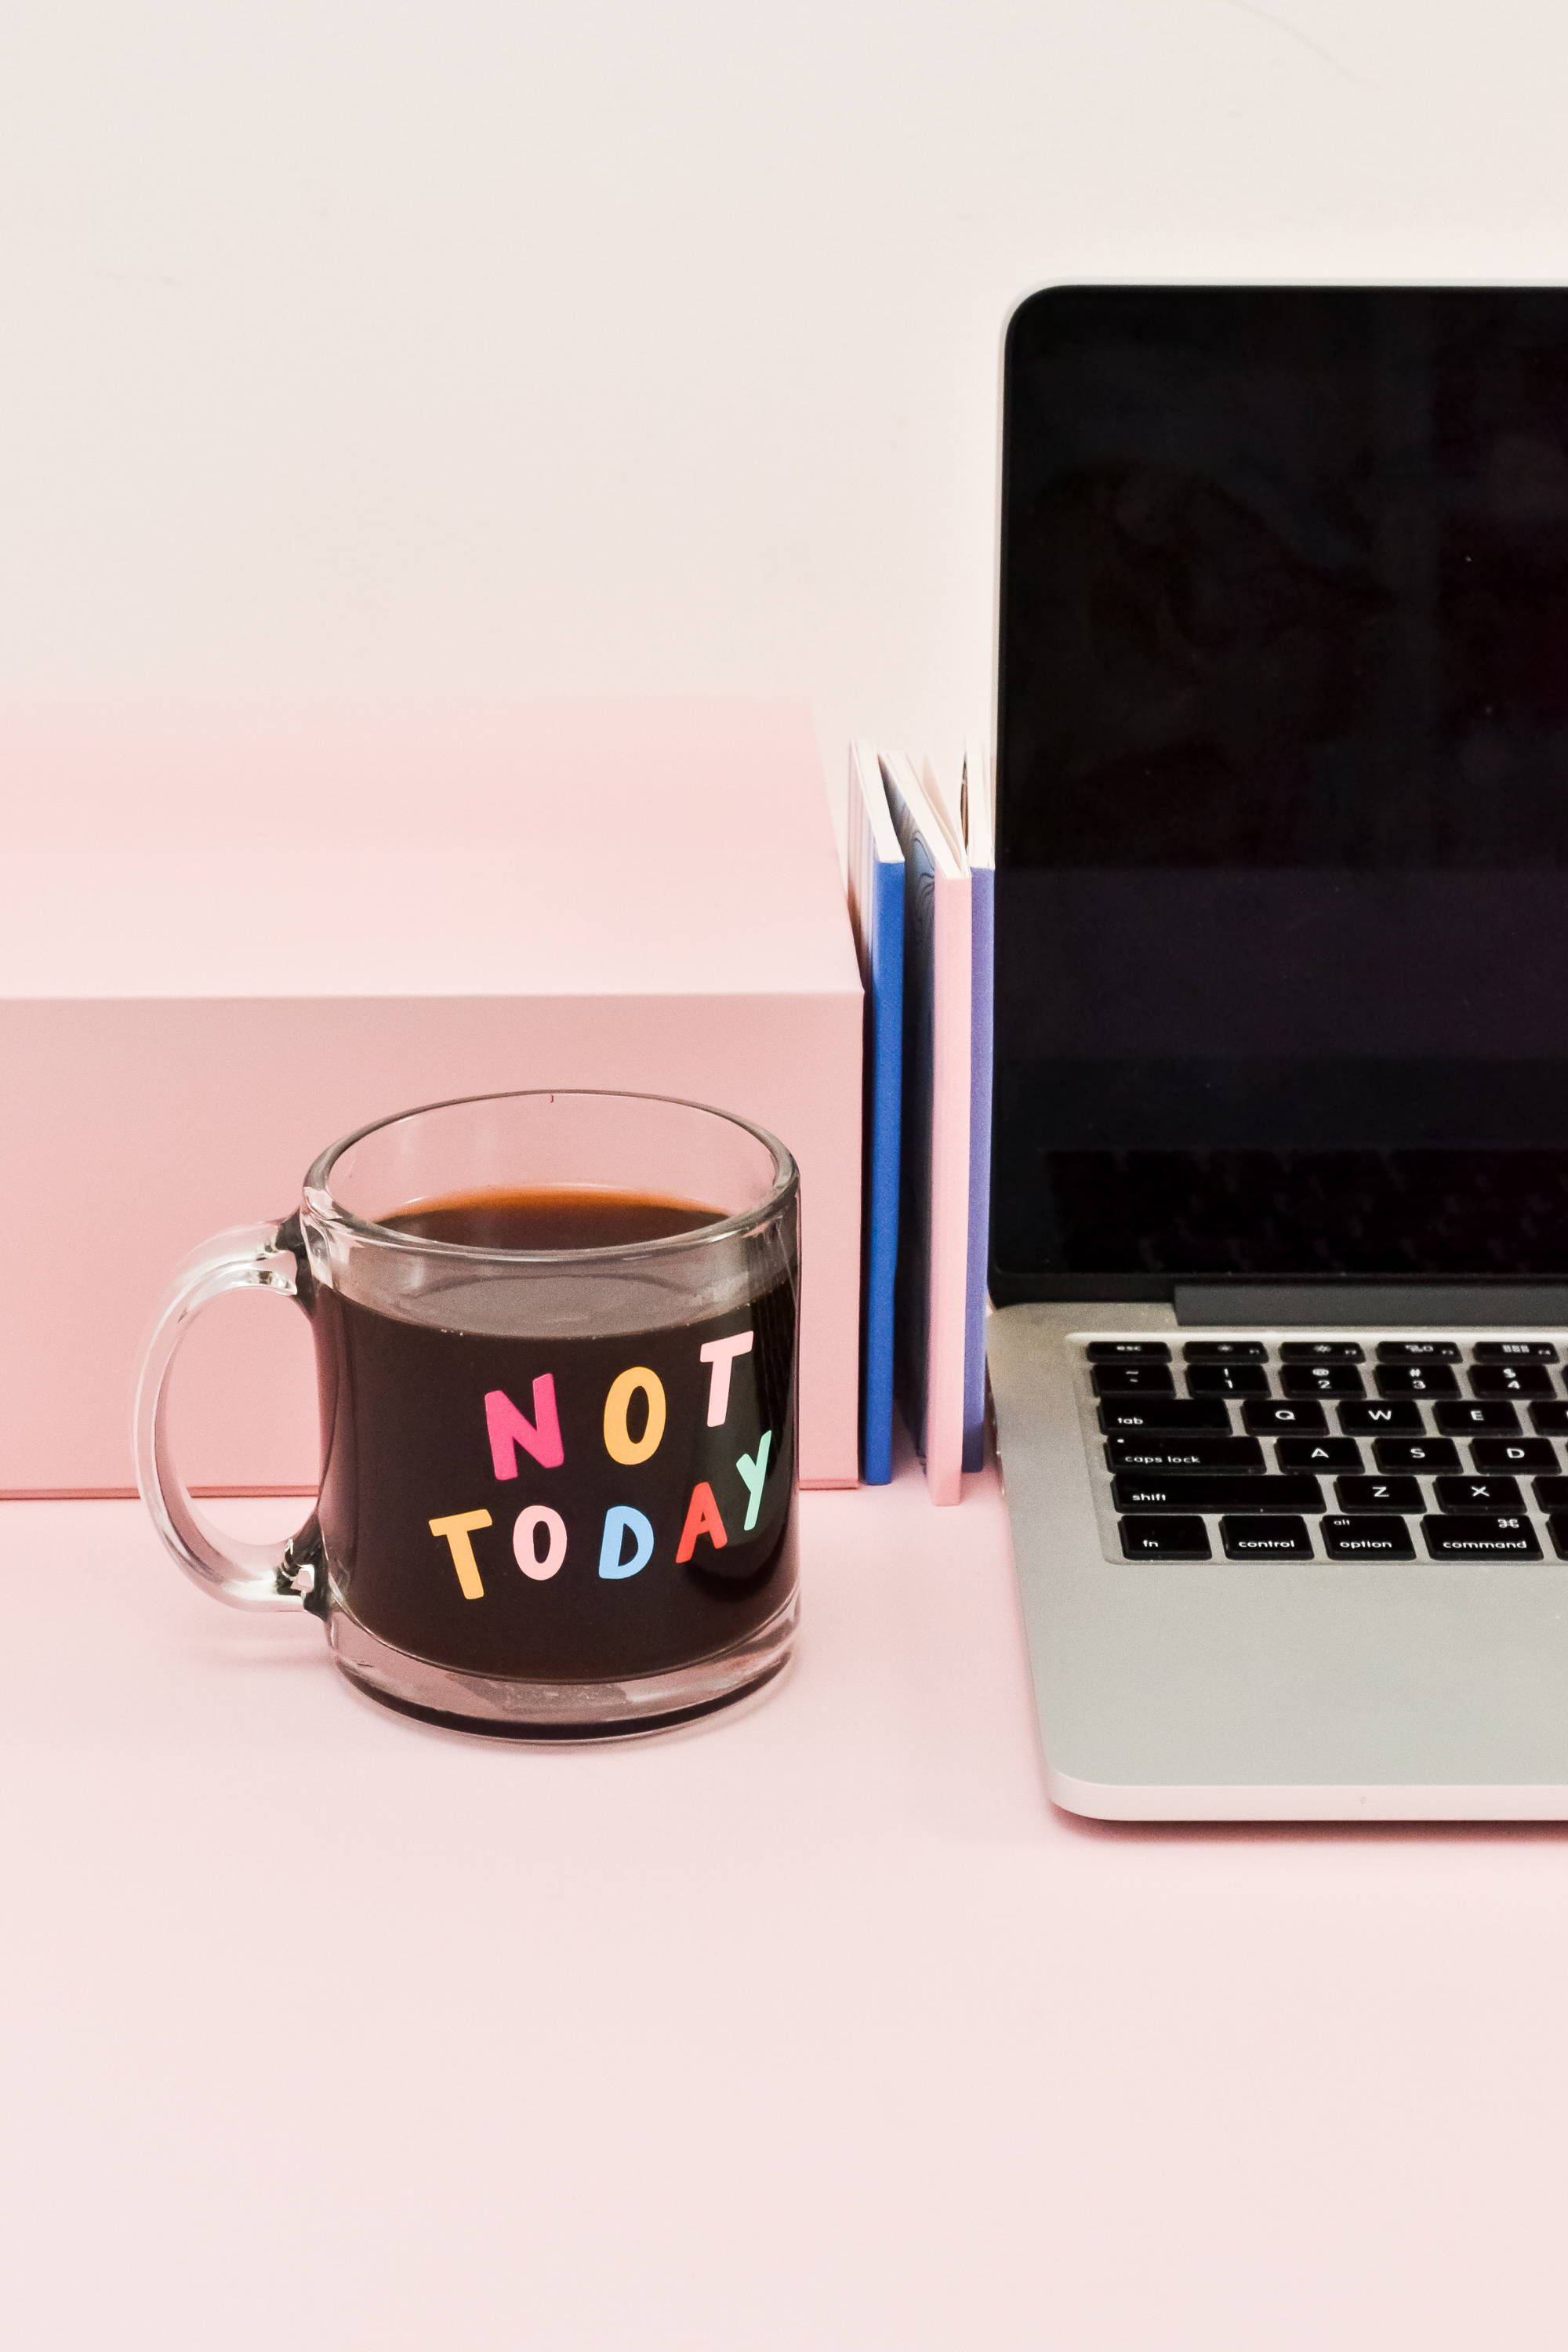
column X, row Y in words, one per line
column 555, row 1347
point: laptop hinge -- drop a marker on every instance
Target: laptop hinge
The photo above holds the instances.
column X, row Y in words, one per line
column 1407, row 1303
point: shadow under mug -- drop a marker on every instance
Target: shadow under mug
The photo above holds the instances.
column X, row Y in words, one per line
column 557, row 1491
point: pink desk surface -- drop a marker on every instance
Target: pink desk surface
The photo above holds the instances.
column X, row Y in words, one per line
column 813, row 2028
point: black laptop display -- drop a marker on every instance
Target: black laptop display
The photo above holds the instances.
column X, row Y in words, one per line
column 1282, row 889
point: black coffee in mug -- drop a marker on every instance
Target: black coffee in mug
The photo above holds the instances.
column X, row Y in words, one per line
column 559, row 1507
column 555, row 1351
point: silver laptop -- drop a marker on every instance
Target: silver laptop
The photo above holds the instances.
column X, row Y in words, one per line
column 1279, row 1208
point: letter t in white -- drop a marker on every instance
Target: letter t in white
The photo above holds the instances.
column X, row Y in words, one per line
column 719, row 1355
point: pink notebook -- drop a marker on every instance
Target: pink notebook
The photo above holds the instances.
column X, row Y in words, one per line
column 933, row 1210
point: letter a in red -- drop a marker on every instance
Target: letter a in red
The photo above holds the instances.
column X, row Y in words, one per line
column 509, row 1429
column 701, row 1519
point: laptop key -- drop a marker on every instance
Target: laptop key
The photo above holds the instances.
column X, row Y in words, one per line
column 1513, row 1454
column 1379, row 1494
column 1370, row 1539
column 1416, row 1380
column 1265, row 1539
column 1551, row 1494
column 1557, row 1527
column 1383, row 1419
column 1551, row 1418
column 1132, row 1380
column 1479, row 1494
column 1224, row 1351
column 1209, row 1491
column 1318, row 1453
column 1461, row 1420
column 1115, row 1351
column 1320, row 1380
column 1169, row 1452
column 1417, row 1352
column 1415, row 1454
column 1227, row 1380
column 1469, row 1536
column 1322, row 1351
column 1503, row 1351
column 1162, row 1412
column 1510, row 1380
column 1172, row 1539
column 1268, row 1419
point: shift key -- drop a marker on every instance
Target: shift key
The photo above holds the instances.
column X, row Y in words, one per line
column 1197, row 1492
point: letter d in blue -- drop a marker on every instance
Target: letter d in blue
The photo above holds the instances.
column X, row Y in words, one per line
column 619, row 1520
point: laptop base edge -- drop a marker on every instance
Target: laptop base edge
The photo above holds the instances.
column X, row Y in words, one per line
column 1107, row 1801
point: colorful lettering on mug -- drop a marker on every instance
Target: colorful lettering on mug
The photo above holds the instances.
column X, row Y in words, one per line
column 525, row 1541
column 539, row 1534
column 509, row 1429
column 701, row 1519
column 719, row 1355
column 458, row 1530
column 619, row 1442
column 621, row 1520
column 753, row 1469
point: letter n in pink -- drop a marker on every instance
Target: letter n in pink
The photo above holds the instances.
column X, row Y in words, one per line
column 509, row 1429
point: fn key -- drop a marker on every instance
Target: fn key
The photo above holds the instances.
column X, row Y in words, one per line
column 1147, row 1537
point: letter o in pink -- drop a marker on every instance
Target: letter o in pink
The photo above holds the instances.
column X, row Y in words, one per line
column 524, row 1541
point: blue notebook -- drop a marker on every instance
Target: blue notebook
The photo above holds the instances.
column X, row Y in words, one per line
column 934, row 1224
column 877, row 913
column 977, row 807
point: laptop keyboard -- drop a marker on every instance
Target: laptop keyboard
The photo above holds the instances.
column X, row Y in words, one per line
column 1282, row 1448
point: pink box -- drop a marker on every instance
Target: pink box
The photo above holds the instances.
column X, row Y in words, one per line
column 230, row 938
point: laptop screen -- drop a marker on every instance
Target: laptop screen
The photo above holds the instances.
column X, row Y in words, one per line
column 1282, row 885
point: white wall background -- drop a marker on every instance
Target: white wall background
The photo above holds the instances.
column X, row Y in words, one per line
column 514, row 346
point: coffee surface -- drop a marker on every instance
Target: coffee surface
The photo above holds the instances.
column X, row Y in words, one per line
column 551, row 1217
column 505, row 1500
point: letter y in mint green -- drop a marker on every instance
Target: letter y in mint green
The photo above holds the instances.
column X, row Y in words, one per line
column 752, row 1473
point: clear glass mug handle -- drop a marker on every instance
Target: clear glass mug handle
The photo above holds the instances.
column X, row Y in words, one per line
column 247, row 1575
